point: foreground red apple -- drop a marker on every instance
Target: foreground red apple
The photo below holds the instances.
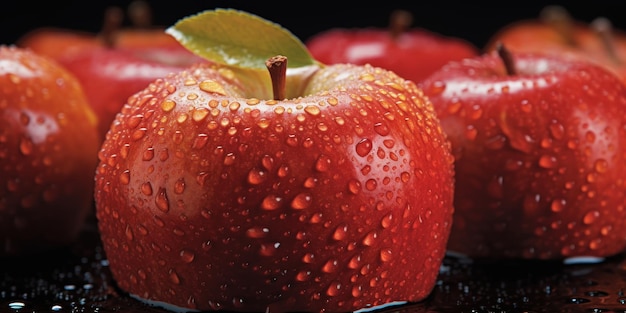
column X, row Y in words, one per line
column 413, row 53
column 113, row 64
column 540, row 148
column 555, row 31
column 48, row 154
column 324, row 189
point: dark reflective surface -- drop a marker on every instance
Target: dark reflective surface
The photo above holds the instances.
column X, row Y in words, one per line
column 77, row 279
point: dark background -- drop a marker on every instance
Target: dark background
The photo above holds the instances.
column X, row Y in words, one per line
column 474, row 21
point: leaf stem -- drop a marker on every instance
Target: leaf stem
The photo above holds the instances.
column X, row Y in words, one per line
column 507, row 59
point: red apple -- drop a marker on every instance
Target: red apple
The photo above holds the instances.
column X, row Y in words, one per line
column 328, row 188
column 114, row 64
column 557, row 32
column 413, row 53
column 48, row 154
column 540, row 147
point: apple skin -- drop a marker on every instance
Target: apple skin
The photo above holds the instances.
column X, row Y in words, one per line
column 211, row 199
column 564, row 36
column 110, row 76
column 48, row 154
column 413, row 54
column 111, row 65
column 539, row 156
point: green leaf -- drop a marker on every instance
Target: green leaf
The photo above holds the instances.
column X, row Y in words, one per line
column 240, row 39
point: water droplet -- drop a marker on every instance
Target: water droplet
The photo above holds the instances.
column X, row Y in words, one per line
column 371, row 184
column 370, row 238
column 212, row 86
column 355, row 262
column 187, row 255
column 312, row 110
column 257, row 232
column 161, row 200
column 174, row 278
column 381, row 129
column 199, row 114
column 591, row 217
column 601, row 166
column 268, row 249
column 26, row 146
column 200, row 141
column 138, row 133
column 168, row 105
column 301, row 201
column 125, row 177
column 310, row 182
column 303, row 276
column 308, row 258
column 330, row 266
column 146, row 188
column 179, row 186
column 267, row 162
column 386, row 255
column 340, row 232
column 271, row 202
column 354, row 186
column 322, row 164
column 256, row 176
column 363, row 147
column 547, row 161
column 557, row 205
column 386, row 220
column 333, row 289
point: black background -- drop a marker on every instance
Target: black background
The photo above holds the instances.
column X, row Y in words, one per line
column 474, row 21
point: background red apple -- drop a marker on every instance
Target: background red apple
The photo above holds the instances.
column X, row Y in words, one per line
column 218, row 193
column 540, row 148
column 48, row 154
column 556, row 31
column 114, row 63
column 413, row 53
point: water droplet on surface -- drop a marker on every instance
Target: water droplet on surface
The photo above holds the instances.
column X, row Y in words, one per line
column 547, row 161
column 363, row 147
column 591, row 217
column 256, row 176
column 271, row 202
column 354, row 186
column 333, row 289
column 340, row 232
column 161, row 200
column 257, row 232
column 187, row 256
column 301, row 201
column 601, row 166
column 174, row 278
column 322, row 164
column 330, row 266
column 26, row 146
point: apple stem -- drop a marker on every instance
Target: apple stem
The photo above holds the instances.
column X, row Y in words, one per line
column 140, row 13
column 561, row 20
column 603, row 27
column 277, row 66
column 399, row 22
column 113, row 19
column 507, row 59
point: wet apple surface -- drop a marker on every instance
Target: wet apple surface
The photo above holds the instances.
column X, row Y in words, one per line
column 77, row 279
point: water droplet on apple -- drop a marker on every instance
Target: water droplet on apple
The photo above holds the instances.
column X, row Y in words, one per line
column 257, row 232
column 179, row 186
column 330, row 266
column 355, row 262
column 340, row 232
column 333, row 289
column 547, row 161
column 558, row 205
column 271, row 202
column 471, row 132
column 386, row 255
column 591, row 217
column 187, row 255
column 354, row 186
column 308, row 258
column 128, row 232
column 200, row 141
column 322, row 164
column 125, row 177
column 168, row 105
column 363, row 147
column 26, row 146
column 146, row 188
column 303, row 276
column 268, row 249
column 161, row 200
column 174, row 278
column 557, row 130
column 310, row 182
column 381, row 129
column 256, row 176
column 601, row 166
column 371, row 184
column 385, row 222
column 212, row 86
column 370, row 239
column 301, row 201
column 134, row 121
column 138, row 133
